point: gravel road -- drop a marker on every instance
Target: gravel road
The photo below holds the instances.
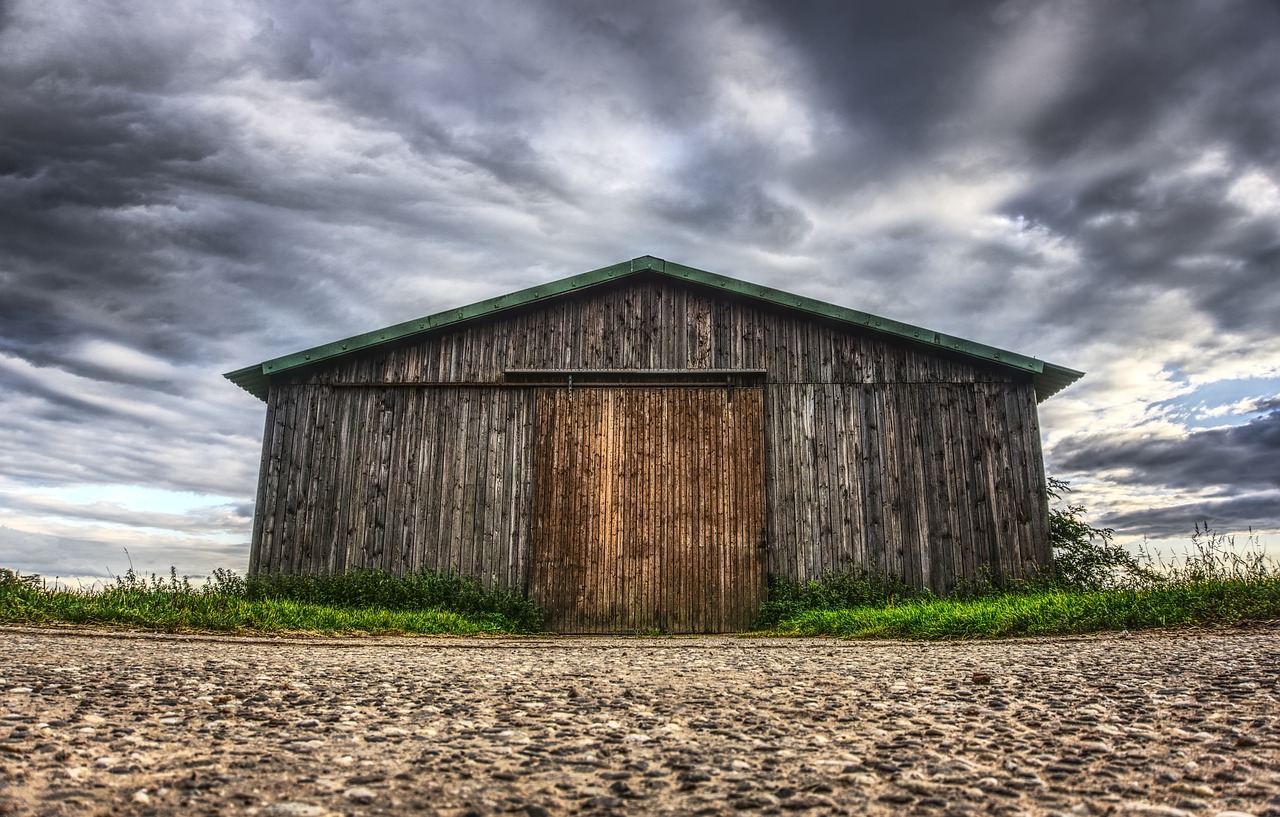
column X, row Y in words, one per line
column 1158, row 724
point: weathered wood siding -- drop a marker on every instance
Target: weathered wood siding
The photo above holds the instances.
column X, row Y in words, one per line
column 929, row 481
column 649, row 510
column 656, row 324
column 396, row 479
column 878, row 453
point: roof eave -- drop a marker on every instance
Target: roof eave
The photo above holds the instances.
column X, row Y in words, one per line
column 1053, row 380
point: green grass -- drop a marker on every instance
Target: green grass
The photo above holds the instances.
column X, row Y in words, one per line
column 1053, row 611
column 1093, row 586
column 373, row 603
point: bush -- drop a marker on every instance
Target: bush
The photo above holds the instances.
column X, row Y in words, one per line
column 834, row 591
column 1085, row 557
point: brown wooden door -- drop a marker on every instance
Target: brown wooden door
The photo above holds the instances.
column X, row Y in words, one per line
column 649, row 509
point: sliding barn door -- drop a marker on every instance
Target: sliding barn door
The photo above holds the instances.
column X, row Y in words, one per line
column 649, row 509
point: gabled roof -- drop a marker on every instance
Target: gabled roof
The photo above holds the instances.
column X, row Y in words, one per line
column 1047, row 378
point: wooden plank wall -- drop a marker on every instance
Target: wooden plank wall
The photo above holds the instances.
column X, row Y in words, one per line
column 929, row 481
column 397, row 479
column 878, row 453
column 649, row 510
column 657, row 324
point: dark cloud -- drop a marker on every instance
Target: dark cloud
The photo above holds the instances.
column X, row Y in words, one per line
column 1237, row 458
column 1233, row 516
column 188, row 187
column 1142, row 156
column 896, row 74
column 1146, row 65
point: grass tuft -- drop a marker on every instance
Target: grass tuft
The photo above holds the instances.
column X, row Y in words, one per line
column 375, row 603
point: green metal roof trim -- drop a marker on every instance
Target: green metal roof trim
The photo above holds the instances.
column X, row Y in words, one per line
column 1047, row 378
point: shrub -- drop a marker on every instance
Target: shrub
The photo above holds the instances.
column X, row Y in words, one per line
column 833, row 591
column 1086, row 557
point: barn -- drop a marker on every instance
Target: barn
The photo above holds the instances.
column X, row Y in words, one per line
column 640, row 446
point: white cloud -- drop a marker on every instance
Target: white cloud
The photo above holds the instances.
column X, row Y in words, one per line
column 121, row 360
column 1257, row 192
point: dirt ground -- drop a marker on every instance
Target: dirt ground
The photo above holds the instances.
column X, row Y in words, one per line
column 115, row 723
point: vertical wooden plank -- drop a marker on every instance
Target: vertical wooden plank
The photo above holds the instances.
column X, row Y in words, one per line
column 495, row 497
column 398, row 485
column 1042, row 552
column 273, row 437
column 655, row 515
column 425, row 511
column 505, row 497
column 539, row 571
column 446, row 462
column 338, row 498
column 937, row 407
column 873, row 469
column 319, row 495
column 286, row 490
column 782, row 555
column 306, row 465
column 915, row 527
column 606, row 542
column 688, row 448
column 827, row 497
column 845, row 443
column 651, row 524
column 352, row 476
column 415, row 433
column 473, row 527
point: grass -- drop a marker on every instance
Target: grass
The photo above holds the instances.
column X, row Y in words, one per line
column 1215, row 584
column 361, row 602
column 1097, row 587
column 1052, row 611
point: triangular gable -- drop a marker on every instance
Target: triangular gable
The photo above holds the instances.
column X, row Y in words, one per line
column 1047, row 377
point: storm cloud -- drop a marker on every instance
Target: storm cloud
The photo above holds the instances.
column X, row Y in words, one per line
column 188, row 187
column 1246, row 456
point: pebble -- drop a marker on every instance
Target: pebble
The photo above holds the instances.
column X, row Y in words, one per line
column 1154, row 810
column 1198, row 789
column 314, row 728
column 294, row 809
column 360, row 795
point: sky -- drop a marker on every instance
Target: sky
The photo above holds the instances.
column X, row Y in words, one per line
column 188, row 188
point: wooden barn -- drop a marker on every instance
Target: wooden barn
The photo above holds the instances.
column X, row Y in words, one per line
column 639, row 446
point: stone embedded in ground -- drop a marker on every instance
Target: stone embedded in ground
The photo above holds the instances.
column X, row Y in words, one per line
column 294, row 809
column 360, row 795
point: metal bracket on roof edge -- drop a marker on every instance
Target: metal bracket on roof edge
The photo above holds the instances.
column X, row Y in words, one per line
column 648, row 262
